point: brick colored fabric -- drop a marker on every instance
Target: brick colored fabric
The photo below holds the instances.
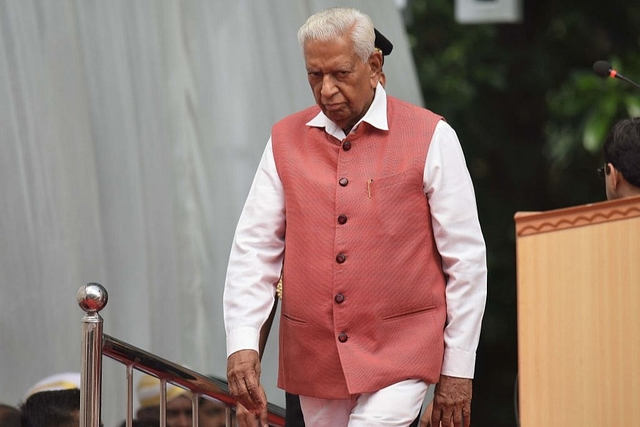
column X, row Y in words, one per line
column 387, row 295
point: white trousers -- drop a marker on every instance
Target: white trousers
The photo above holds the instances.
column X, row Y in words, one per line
column 397, row 405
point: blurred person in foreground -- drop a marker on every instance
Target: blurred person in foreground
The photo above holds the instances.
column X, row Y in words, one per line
column 621, row 170
column 53, row 401
column 9, row 416
column 366, row 205
column 179, row 408
column 211, row 413
column 55, row 408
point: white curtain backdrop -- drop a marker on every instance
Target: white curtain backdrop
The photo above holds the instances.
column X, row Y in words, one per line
column 129, row 135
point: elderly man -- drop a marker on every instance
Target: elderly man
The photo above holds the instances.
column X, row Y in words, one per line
column 366, row 205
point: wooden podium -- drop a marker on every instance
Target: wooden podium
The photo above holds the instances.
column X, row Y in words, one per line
column 579, row 315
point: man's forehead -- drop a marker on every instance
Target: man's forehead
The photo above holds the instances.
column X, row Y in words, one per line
column 335, row 53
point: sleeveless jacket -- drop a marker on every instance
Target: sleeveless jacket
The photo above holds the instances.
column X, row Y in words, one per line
column 363, row 303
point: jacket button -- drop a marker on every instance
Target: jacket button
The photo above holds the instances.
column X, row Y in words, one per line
column 342, row 219
column 339, row 298
column 343, row 182
column 340, row 258
column 343, row 337
column 346, row 146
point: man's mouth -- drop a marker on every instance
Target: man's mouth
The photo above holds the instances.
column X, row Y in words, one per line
column 333, row 107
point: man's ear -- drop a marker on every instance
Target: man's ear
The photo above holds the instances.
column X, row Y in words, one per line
column 375, row 63
column 616, row 176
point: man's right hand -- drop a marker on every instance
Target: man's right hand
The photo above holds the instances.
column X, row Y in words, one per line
column 243, row 375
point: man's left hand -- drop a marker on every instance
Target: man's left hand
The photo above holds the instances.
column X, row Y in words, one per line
column 452, row 402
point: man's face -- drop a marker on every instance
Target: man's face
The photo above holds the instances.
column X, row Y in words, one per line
column 211, row 414
column 179, row 412
column 343, row 86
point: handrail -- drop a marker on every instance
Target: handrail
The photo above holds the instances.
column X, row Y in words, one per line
column 92, row 298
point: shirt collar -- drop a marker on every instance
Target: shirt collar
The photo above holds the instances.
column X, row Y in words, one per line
column 376, row 116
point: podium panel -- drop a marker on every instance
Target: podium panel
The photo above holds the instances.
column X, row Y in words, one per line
column 578, row 272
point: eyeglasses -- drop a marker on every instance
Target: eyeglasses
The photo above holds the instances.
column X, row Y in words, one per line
column 603, row 170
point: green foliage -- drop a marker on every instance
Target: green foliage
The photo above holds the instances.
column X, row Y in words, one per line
column 586, row 105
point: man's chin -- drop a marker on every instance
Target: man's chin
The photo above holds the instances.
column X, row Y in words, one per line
column 336, row 118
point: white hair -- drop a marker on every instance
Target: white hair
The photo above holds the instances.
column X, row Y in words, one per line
column 336, row 22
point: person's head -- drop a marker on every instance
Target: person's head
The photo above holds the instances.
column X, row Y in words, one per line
column 622, row 159
column 9, row 416
column 57, row 408
column 211, row 413
column 179, row 411
column 179, row 408
column 343, row 68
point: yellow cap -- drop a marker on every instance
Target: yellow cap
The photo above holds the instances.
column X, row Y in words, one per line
column 149, row 391
column 62, row 381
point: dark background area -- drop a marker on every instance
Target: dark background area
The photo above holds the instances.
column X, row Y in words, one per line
column 531, row 116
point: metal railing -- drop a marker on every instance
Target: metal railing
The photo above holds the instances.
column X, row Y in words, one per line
column 92, row 298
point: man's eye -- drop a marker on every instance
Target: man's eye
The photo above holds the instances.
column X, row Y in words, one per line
column 342, row 75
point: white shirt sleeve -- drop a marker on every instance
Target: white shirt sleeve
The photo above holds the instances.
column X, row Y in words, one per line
column 256, row 258
column 459, row 240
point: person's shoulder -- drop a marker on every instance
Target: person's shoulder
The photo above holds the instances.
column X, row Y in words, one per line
column 409, row 108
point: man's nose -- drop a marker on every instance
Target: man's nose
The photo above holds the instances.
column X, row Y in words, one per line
column 328, row 86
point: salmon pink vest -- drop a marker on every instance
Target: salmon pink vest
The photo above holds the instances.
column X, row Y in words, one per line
column 363, row 303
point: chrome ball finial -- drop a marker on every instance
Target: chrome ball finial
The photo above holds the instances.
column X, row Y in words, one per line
column 92, row 297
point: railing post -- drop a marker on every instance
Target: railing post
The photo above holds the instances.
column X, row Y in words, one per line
column 92, row 298
column 129, row 395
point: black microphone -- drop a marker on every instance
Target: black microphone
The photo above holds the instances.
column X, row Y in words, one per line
column 604, row 70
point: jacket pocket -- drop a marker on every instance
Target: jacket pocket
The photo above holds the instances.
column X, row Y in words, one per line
column 292, row 319
column 409, row 313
